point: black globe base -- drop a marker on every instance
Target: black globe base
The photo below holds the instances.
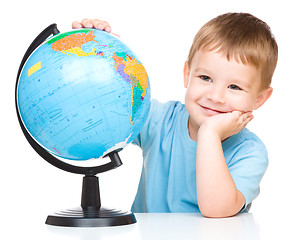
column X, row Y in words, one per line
column 90, row 213
column 91, row 218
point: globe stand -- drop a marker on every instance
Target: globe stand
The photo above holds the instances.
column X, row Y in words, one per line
column 90, row 213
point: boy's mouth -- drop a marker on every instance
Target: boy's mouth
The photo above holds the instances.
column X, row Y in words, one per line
column 211, row 111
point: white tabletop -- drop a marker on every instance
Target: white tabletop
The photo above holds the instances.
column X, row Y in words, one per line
column 164, row 226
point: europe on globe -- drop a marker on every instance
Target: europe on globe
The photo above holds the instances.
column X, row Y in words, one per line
column 83, row 94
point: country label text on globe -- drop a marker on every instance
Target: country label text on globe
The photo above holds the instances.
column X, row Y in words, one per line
column 83, row 94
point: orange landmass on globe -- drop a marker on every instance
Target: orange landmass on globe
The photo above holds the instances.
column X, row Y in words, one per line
column 72, row 44
column 132, row 66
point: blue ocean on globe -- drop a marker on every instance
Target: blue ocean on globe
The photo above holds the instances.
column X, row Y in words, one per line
column 83, row 94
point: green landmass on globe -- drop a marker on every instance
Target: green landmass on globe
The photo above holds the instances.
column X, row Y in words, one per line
column 83, row 94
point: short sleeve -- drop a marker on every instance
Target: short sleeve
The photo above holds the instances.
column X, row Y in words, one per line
column 156, row 110
column 247, row 168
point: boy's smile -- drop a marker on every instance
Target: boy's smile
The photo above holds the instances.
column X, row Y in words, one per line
column 216, row 85
column 210, row 111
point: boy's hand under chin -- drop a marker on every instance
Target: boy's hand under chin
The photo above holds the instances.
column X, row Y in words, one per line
column 226, row 124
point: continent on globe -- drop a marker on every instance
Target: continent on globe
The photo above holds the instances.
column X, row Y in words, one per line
column 134, row 73
column 71, row 42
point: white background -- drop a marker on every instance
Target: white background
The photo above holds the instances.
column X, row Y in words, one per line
column 160, row 33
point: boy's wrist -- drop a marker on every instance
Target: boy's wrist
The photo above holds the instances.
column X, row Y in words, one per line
column 207, row 132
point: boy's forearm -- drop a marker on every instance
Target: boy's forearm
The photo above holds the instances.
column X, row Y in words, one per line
column 216, row 191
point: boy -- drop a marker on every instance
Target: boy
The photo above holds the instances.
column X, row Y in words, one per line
column 198, row 156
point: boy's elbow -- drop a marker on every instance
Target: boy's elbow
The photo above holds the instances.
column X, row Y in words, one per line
column 222, row 209
column 218, row 212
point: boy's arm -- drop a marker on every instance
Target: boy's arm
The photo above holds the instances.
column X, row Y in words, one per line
column 216, row 191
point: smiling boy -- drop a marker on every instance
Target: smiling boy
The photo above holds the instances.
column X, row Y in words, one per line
column 198, row 156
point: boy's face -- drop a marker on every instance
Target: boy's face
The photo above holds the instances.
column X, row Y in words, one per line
column 216, row 85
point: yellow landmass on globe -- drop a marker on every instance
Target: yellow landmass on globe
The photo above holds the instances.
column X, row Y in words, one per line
column 34, row 68
column 78, row 51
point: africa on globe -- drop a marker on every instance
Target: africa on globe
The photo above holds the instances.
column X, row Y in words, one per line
column 83, row 94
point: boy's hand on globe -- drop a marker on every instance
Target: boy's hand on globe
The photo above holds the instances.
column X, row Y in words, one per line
column 92, row 23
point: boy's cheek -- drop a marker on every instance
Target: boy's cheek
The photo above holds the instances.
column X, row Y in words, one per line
column 244, row 106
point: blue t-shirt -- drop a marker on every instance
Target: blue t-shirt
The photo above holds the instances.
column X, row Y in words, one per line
column 168, row 179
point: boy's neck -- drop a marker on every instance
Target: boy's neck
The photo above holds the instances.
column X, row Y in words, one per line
column 192, row 129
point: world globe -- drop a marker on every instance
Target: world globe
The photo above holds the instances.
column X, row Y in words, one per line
column 83, row 94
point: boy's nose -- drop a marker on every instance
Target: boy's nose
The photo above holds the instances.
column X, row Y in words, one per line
column 216, row 94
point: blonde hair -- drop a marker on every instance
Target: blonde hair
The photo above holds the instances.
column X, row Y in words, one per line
column 243, row 37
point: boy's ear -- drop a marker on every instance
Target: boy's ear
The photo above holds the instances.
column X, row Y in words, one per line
column 186, row 74
column 263, row 97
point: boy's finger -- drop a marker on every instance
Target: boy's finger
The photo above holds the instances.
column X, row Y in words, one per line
column 76, row 25
column 237, row 114
column 101, row 25
column 250, row 118
column 247, row 117
column 86, row 23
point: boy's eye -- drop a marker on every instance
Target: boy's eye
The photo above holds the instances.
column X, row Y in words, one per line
column 205, row 78
column 234, row 87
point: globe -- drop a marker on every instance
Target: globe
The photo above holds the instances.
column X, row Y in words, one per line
column 83, row 94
